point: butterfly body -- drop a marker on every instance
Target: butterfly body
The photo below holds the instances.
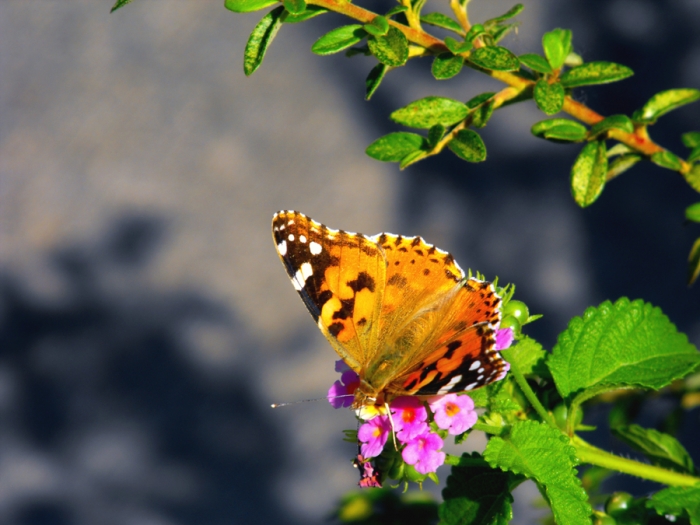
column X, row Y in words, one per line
column 400, row 312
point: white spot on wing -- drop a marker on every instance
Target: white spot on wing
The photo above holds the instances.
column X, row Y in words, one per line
column 476, row 364
column 282, row 248
column 291, row 221
column 302, row 274
column 481, row 370
column 448, row 387
column 315, row 248
column 291, row 237
column 306, row 270
column 302, row 239
column 470, row 386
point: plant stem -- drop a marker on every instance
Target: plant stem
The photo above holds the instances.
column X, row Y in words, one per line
column 488, row 429
column 530, row 395
column 587, row 453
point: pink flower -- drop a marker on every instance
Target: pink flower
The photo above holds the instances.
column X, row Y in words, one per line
column 424, row 453
column 369, row 477
column 341, row 393
column 504, row 338
column 410, row 417
column 454, row 413
column 373, row 436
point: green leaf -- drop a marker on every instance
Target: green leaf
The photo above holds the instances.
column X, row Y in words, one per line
column 457, row 47
column 677, row 501
column 295, row 7
column 482, row 114
column 536, row 63
column 390, row 49
column 498, row 32
column 440, row 20
column 542, row 453
column 559, row 130
column 311, row 12
column 694, row 155
column 467, row 145
column 260, row 39
column 426, row 112
column 622, row 122
column 557, row 46
column 446, row 65
column 412, row 158
column 395, row 146
column 622, row 164
column 694, row 262
column 379, row 26
column 479, row 99
column 513, row 11
column 588, row 173
column 663, row 102
column 528, row 354
column 595, row 73
column 549, row 97
column 692, row 212
column 477, row 495
column 573, row 60
column 667, row 160
column 435, row 135
column 375, row 78
column 691, row 139
column 119, row 4
column 496, row 58
column 626, row 344
column 476, row 31
column 338, row 39
column 244, row 6
column 661, row 449
column 693, row 177
column 396, row 10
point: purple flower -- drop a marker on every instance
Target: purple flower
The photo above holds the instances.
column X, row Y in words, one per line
column 504, row 338
column 369, row 476
column 454, row 413
column 423, row 452
column 410, row 417
column 340, row 394
column 373, row 436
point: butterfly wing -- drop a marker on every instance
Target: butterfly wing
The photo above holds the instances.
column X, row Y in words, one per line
column 341, row 278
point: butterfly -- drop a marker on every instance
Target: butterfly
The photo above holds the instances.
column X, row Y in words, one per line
column 400, row 312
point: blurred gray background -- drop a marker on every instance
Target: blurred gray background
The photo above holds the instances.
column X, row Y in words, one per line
column 146, row 323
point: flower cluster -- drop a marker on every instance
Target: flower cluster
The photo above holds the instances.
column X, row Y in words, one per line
column 419, row 442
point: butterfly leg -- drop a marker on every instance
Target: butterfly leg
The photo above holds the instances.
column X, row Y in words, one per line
column 393, row 428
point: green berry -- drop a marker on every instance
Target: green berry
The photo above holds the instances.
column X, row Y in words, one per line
column 517, row 309
column 618, row 503
column 511, row 322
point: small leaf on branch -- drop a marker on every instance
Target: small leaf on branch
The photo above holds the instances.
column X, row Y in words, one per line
column 260, row 39
column 691, row 139
column 694, row 155
column 457, row 47
column 446, row 65
column 444, row 21
column 661, row 449
column 411, row 158
column 622, row 164
column 692, row 212
column 482, row 114
column 536, row 63
column 338, row 39
column 595, row 73
column 677, row 501
column 468, row 145
column 549, row 97
column 496, row 58
column 588, row 174
column 543, row 454
column 396, row 10
column 557, row 46
column 121, row 3
column 667, row 160
column 559, row 130
column 311, row 12
column 435, row 135
column 426, row 112
column 379, row 26
column 475, row 31
column 395, row 146
column 693, row 177
column 513, row 11
column 375, row 77
column 626, row 344
column 663, row 102
column 694, row 262
column 295, row 7
column 241, row 6
column 390, row 49
column 622, row 122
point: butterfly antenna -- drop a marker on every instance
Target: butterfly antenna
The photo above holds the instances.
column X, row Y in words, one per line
column 278, row 405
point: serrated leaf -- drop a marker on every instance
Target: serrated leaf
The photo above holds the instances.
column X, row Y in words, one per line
column 390, row 49
column 677, row 501
column 496, row 58
column 542, row 453
column 260, row 39
column 119, row 4
column 379, row 26
column 426, row 112
column 245, row 6
column 457, row 47
column 622, row 122
column 477, row 495
column 375, row 77
column 559, row 130
column 694, row 262
column 557, row 46
column 311, row 12
column 440, row 20
column 467, row 145
column 549, row 97
column 691, row 139
column 694, row 155
column 536, row 63
column 629, row 343
column 588, row 174
column 395, row 146
column 592, row 73
column 667, row 160
column 666, row 101
column 338, row 39
column 446, row 65
column 513, row 11
column 661, row 449
column 528, row 354
column 622, row 164
column 295, row 7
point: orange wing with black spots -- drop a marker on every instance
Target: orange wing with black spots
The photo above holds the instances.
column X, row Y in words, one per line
column 399, row 311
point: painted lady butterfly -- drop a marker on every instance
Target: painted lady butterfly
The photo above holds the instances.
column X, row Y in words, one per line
column 399, row 311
